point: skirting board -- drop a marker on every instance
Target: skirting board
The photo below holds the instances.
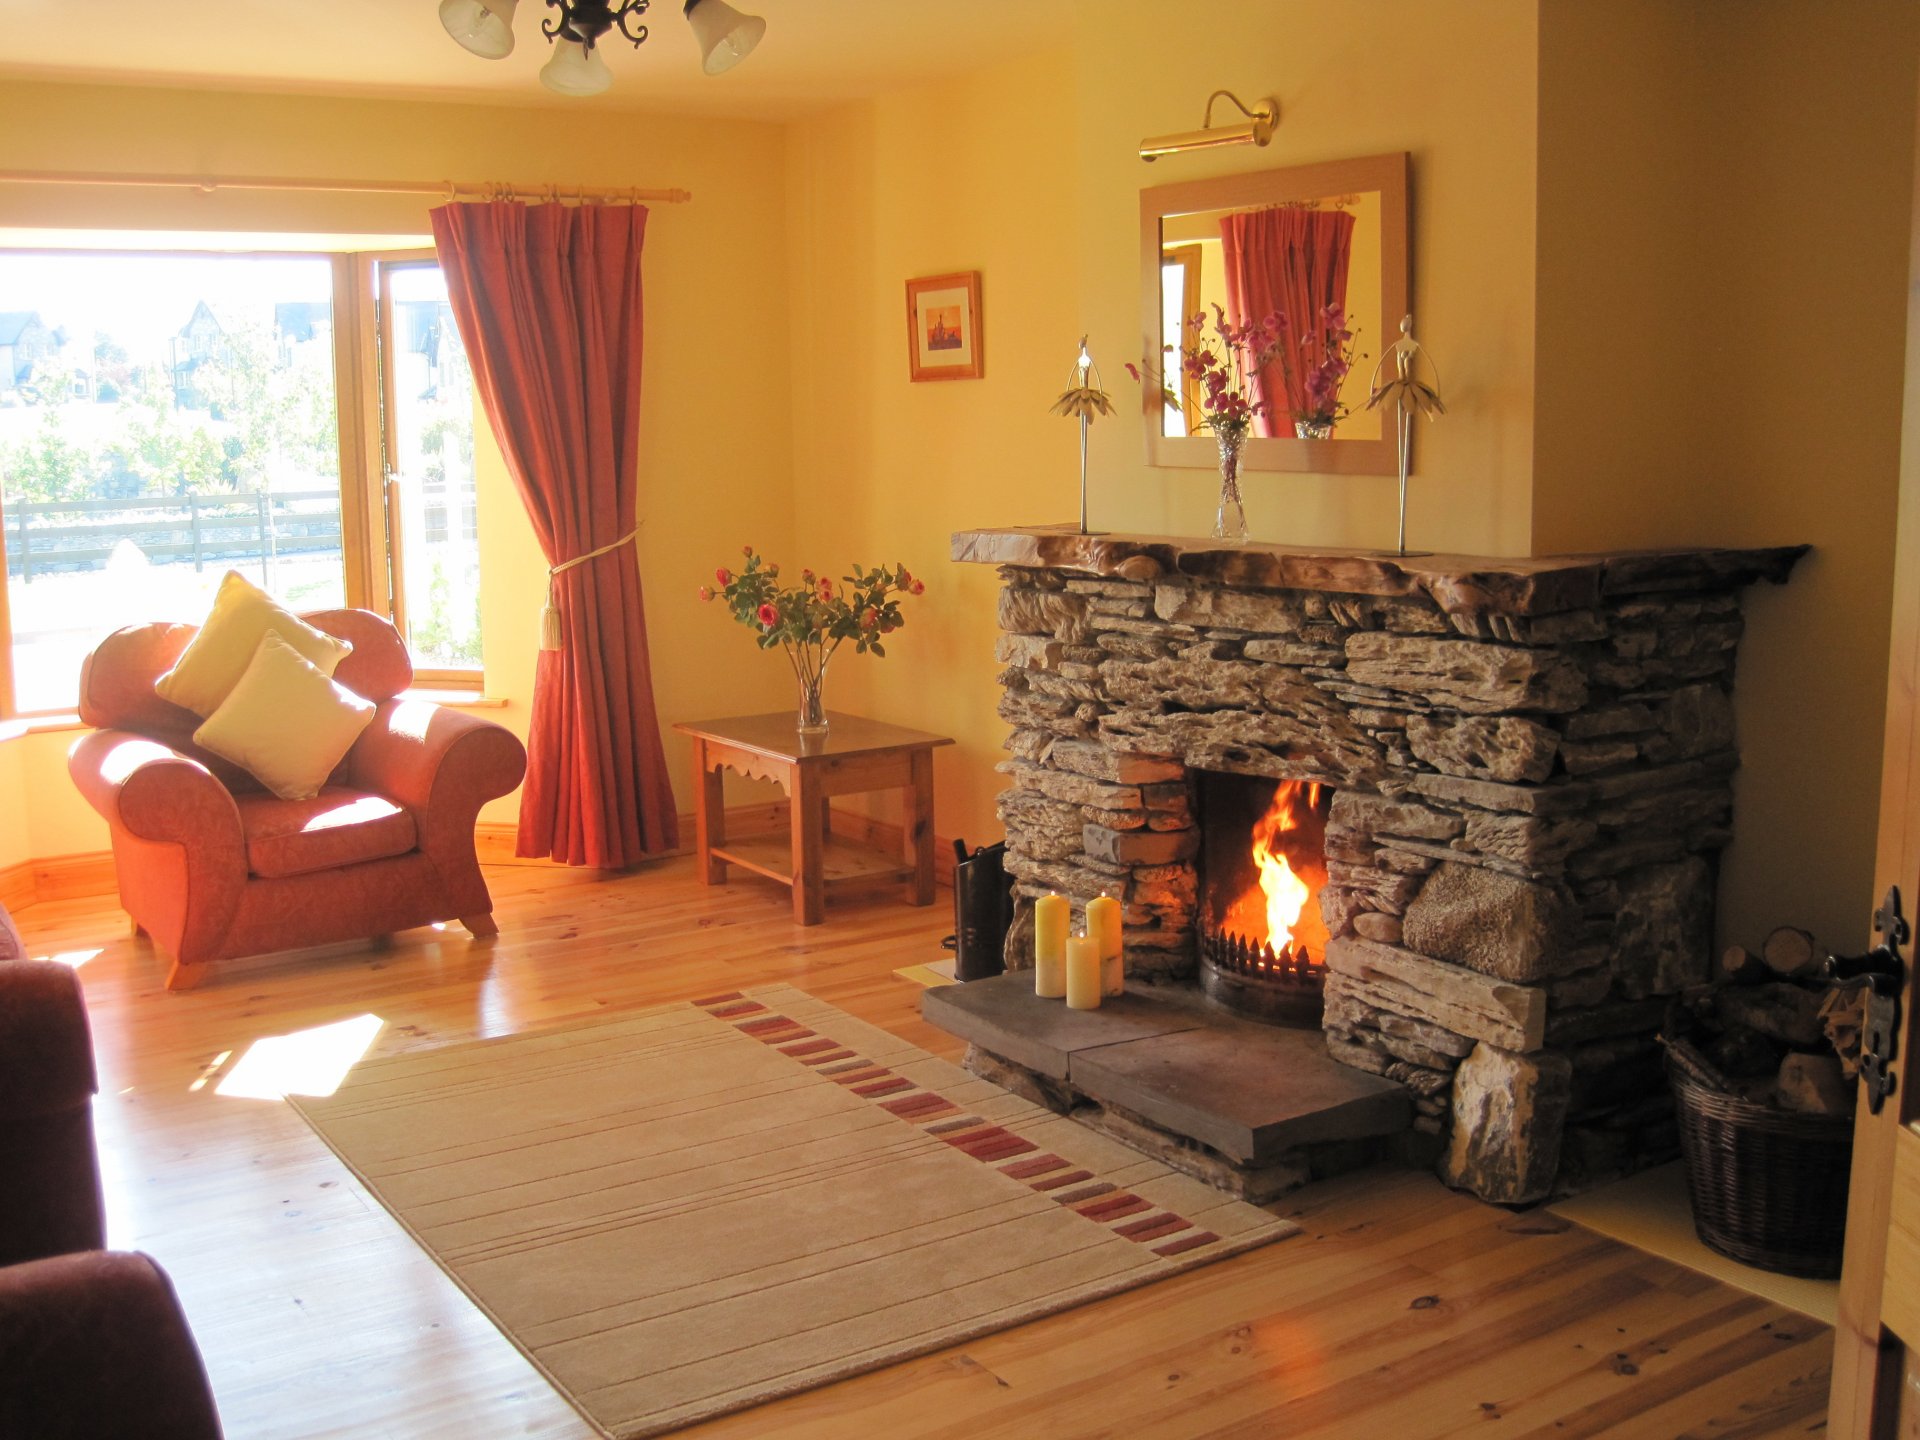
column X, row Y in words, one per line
column 72, row 877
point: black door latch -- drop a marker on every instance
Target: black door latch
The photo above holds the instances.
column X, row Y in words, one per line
column 1881, row 972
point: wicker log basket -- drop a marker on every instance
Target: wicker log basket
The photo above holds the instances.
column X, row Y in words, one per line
column 1769, row 1187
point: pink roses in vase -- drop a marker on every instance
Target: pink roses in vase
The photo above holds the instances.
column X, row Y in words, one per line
column 812, row 618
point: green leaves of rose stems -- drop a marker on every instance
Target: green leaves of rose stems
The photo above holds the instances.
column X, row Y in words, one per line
column 815, row 615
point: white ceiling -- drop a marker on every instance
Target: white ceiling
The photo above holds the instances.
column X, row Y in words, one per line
column 816, row 52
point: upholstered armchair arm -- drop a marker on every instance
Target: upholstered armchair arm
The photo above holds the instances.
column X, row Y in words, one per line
column 154, row 792
column 95, row 1347
column 52, row 1183
column 442, row 764
column 46, row 1047
column 178, row 847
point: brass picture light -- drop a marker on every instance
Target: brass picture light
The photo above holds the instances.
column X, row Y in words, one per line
column 1257, row 130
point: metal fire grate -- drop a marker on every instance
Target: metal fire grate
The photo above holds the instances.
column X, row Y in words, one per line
column 1248, row 976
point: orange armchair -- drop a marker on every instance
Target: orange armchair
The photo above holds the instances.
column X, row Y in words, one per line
column 213, row 866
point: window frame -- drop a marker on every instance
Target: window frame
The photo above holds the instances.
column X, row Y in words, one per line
column 369, row 536
column 375, row 271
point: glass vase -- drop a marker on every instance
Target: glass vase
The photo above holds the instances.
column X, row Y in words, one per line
column 1230, row 522
column 1313, row 429
column 813, row 703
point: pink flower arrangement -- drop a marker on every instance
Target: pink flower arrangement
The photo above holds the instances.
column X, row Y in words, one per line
column 1223, row 364
column 1323, row 381
column 813, row 618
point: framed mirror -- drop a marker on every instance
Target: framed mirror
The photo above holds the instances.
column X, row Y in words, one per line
column 1266, row 244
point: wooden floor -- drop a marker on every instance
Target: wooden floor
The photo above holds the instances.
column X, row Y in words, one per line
column 1404, row 1311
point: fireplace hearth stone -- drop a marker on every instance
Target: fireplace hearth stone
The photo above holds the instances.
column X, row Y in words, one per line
column 1255, row 1108
column 1533, row 761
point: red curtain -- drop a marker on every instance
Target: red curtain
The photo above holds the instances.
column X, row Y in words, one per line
column 548, row 302
column 1293, row 261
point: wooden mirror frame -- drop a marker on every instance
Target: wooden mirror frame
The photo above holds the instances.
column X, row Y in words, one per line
column 1386, row 174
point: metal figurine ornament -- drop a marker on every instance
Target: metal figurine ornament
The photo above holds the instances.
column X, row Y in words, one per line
column 1084, row 399
column 1408, row 394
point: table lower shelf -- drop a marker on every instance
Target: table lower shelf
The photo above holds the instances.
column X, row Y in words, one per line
column 844, row 862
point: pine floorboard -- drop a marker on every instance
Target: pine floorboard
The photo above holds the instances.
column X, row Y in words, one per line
column 1404, row 1311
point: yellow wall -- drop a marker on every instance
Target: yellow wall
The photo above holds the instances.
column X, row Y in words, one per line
column 925, row 183
column 1029, row 173
column 1723, row 226
column 1453, row 85
column 15, row 820
column 715, row 443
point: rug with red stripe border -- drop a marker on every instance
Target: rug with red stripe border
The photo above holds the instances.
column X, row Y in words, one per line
column 685, row 1211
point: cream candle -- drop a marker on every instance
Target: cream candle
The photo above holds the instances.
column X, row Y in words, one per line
column 1052, row 914
column 1083, row 973
column 1103, row 924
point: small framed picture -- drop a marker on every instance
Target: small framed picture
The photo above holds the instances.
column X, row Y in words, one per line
column 943, row 327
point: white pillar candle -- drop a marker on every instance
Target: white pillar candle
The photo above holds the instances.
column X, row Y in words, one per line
column 1051, row 916
column 1103, row 925
column 1083, row 973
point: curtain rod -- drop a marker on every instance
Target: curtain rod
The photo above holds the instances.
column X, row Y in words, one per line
column 451, row 189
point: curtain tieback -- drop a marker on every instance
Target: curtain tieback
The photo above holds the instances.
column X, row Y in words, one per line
column 550, row 613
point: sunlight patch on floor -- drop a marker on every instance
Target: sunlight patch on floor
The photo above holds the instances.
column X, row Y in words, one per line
column 307, row 1062
column 73, row 959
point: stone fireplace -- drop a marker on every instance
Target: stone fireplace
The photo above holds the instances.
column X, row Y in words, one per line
column 1517, row 775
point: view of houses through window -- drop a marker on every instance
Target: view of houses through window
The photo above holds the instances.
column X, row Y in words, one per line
column 167, row 418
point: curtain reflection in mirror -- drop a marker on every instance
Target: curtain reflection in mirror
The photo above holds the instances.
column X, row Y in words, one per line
column 1290, row 261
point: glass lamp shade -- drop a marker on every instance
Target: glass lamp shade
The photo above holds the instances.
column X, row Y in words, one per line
column 575, row 70
column 483, row 26
column 726, row 36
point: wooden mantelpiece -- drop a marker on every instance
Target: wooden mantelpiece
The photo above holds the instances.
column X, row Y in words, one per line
column 1458, row 584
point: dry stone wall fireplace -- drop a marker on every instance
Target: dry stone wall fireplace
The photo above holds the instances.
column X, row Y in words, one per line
column 1523, row 778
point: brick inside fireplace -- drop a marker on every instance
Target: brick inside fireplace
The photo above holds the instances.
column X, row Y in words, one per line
column 1528, row 778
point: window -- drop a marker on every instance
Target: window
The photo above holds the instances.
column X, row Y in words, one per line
column 165, row 418
column 427, row 440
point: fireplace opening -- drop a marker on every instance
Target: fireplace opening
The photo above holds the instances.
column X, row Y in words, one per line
column 1263, row 864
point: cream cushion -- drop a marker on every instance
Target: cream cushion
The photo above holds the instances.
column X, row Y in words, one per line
column 214, row 660
column 285, row 722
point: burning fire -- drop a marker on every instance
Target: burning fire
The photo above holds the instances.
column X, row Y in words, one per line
column 1287, row 894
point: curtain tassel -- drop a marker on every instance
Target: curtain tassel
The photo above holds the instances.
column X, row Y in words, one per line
column 551, row 636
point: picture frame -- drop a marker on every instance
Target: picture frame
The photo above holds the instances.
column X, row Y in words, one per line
column 943, row 327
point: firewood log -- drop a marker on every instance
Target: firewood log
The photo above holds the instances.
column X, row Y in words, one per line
column 1791, row 953
column 1814, row 1085
column 1784, row 1012
column 1740, row 966
column 1741, row 1053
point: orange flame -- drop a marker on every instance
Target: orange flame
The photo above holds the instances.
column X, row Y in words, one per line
column 1286, row 892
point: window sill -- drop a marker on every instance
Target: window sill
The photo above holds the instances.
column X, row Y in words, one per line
column 456, row 699
column 53, row 724
column 38, row 725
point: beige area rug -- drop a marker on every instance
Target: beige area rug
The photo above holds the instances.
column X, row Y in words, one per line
column 686, row 1211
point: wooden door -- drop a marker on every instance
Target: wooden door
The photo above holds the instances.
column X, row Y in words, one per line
column 1876, row 1361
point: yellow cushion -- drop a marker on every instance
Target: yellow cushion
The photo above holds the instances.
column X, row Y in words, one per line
column 285, row 723
column 212, row 663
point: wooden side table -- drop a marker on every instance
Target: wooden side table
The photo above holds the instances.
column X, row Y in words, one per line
column 852, row 756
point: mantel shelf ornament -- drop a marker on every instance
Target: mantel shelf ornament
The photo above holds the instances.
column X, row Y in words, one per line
column 1407, row 394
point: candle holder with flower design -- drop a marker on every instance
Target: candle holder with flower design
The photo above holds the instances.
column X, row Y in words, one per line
column 813, row 618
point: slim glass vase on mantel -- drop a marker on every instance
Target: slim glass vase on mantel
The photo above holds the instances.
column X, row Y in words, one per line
column 1230, row 522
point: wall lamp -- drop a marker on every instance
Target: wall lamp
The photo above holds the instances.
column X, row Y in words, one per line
column 1257, row 130
column 485, row 27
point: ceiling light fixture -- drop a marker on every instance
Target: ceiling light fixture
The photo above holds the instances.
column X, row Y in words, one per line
column 1257, row 131
column 485, row 27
